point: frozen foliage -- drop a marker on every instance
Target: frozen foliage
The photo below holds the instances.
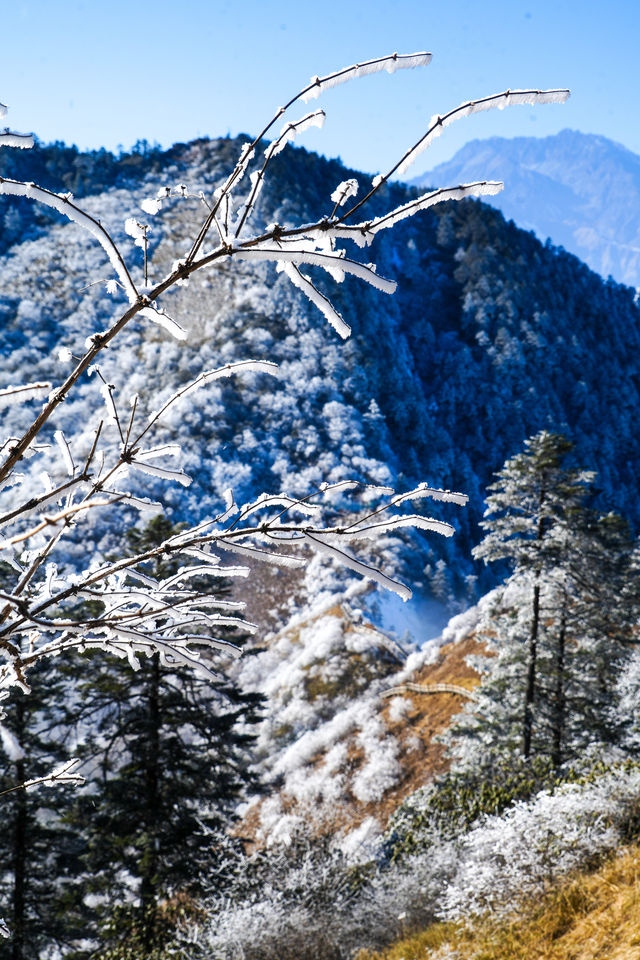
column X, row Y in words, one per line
column 322, row 679
column 99, row 460
column 488, row 868
column 500, row 100
column 22, row 140
column 395, row 62
column 556, row 631
column 344, row 191
column 514, row 856
column 70, row 490
column 96, row 473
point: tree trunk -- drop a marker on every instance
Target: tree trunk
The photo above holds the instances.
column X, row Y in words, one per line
column 19, row 846
column 532, row 666
column 149, row 863
column 559, row 694
column 530, row 692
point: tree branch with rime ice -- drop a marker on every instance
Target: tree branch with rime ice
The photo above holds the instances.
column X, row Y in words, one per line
column 141, row 616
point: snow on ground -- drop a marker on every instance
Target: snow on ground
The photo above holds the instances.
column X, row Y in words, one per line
column 330, row 744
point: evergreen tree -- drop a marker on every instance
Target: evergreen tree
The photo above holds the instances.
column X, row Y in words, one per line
column 625, row 711
column 34, row 845
column 556, row 628
column 588, row 632
column 170, row 760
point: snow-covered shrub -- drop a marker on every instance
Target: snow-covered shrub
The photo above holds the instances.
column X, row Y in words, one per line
column 289, row 900
column 449, row 807
column 307, row 899
column 507, row 858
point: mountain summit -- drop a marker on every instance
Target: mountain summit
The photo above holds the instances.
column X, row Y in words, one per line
column 581, row 190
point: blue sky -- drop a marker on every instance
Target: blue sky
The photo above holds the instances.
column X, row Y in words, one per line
column 107, row 74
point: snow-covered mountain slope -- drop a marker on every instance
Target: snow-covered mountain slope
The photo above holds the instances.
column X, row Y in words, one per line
column 581, row 190
column 351, row 716
column 489, row 338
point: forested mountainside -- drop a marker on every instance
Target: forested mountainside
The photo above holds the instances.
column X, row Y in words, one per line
column 328, row 731
column 490, row 337
column 581, row 190
column 55, row 166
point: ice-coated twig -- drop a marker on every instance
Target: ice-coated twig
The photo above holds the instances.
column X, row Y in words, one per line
column 395, row 61
column 288, row 133
column 482, row 188
column 165, row 321
column 162, row 472
column 23, row 141
column 327, row 261
column 265, row 501
column 208, row 376
column 24, row 510
column 313, row 89
column 279, row 559
column 61, row 774
column 437, row 124
column 373, row 530
column 421, row 492
column 320, row 544
column 318, row 299
column 508, row 98
column 22, row 392
column 63, row 446
column 62, row 517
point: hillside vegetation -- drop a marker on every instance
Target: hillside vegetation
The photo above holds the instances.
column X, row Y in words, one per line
column 355, row 785
column 491, row 337
column 591, row 915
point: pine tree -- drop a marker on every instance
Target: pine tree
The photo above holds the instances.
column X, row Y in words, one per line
column 589, row 631
column 625, row 710
column 170, row 755
column 556, row 630
column 34, row 844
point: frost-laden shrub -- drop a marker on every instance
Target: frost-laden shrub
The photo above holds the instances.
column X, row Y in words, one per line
column 459, row 799
column 319, row 907
column 289, row 900
column 508, row 858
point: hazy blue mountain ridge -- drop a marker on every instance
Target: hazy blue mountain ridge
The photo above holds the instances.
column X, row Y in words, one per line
column 581, row 190
column 490, row 337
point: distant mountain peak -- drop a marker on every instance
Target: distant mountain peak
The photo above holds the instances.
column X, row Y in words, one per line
column 581, row 190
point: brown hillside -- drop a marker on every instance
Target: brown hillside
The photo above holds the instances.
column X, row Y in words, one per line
column 429, row 715
column 425, row 716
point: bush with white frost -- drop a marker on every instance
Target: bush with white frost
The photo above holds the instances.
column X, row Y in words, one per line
column 508, row 858
column 317, row 904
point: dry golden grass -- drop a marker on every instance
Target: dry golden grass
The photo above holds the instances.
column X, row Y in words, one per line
column 593, row 916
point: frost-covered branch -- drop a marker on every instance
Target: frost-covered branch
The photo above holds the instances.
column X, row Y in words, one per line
column 312, row 90
column 438, row 123
column 166, row 616
column 176, row 617
column 64, row 205
column 63, row 774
